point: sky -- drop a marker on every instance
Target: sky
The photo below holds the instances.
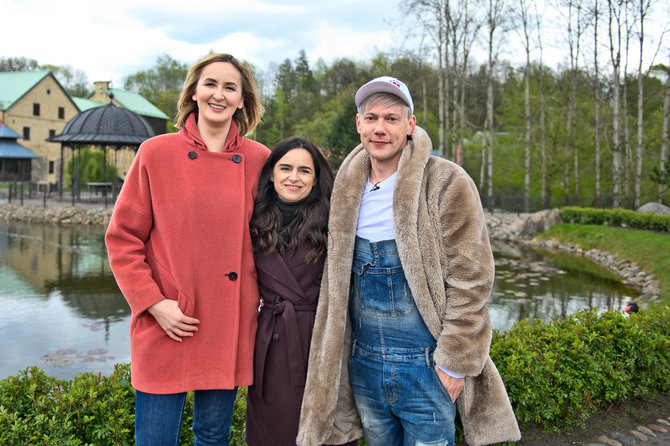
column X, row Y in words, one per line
column 111, row 40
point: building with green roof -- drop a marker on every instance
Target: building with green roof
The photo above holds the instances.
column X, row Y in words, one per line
column 134, row 102
column 36, row 106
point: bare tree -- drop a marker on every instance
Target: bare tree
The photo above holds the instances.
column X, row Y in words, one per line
column 543, row 131
column 574, row 34
column 495, row 19
column 614, row 8
column 596, row 93
column 666, row 137
column 522, row 14
column 644, row 7
column 431, row 14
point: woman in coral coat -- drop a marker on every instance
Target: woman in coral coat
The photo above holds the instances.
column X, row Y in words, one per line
column 288, row 231
column 180, row 250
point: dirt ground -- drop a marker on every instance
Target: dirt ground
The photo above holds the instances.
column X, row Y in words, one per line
column 620, row 417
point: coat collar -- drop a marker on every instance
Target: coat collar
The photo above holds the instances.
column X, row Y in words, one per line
column 279, row 267
column 354, row 173
column 192, row 134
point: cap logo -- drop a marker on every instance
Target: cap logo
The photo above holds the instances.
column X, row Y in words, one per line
column 396, row 84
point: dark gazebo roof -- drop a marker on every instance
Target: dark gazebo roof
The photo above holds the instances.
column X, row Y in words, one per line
column 105, row 126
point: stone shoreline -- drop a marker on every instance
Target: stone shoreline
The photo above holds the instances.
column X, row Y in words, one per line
column 501, row 226
column 506, row 226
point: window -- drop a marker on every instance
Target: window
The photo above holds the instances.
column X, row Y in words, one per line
column 36, row 109
column 61, row 112
column 52, row 166
column 26, row 133
column 52, row 133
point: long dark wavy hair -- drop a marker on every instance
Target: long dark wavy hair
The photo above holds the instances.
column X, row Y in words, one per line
column 310, row 220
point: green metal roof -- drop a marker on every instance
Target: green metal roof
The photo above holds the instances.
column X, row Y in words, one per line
column 137, row 103
column 14, row 84
column 84, row 104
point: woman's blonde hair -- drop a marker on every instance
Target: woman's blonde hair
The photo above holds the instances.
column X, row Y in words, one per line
column 246, row 118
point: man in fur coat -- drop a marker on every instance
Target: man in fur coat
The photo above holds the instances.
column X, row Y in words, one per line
column 402, row 331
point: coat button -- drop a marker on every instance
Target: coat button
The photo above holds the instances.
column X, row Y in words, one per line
column 192, row 155
column 279, row 299
column 275, row 337
column 232, row 276
column 237, row 159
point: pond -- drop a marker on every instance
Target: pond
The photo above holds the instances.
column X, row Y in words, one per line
column 63, row 312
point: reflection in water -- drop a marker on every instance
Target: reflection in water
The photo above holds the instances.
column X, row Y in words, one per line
column 542, row 285
column 63, row 312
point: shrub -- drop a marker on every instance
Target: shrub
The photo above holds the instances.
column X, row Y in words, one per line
column 36, row 409
column 556, row 374
column 559, row 373
column 616, row 217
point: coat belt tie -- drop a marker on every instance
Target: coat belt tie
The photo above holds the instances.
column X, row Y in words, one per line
column 297, row 364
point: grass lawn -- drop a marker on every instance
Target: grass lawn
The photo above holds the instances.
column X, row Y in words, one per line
column 649, row 250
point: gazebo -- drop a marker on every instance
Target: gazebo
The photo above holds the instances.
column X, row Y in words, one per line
column 109, row 127
column 15, row 160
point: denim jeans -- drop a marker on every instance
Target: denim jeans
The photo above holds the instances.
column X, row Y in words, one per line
column 399, row 395
column 158, row 417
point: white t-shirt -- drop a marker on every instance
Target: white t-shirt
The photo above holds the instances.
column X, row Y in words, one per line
column 375, row 216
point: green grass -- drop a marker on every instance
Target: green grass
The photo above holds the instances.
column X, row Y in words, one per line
column 649, row 250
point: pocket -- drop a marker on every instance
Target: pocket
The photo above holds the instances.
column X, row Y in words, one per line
column 382, row 292
column 170, row 290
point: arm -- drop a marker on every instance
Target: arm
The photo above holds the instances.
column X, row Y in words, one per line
column 468, row 271
column 126, row 239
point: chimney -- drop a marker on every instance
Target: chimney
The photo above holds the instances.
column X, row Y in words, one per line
column 101, row 87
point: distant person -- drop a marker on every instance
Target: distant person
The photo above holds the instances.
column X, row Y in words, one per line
column 631, row 307
column 402, row 332
column 180, row 249
column 289, row 229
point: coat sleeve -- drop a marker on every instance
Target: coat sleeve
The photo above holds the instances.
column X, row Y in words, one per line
column 464, row 342
column 126, row 239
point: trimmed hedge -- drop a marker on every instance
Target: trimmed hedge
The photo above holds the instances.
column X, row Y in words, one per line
column 616, row 217
column 559, row 373
column 556, row 374
column 36, row 409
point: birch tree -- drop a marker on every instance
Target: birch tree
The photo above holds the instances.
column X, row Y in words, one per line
column 614, row 9
column 643, row 9
column 596, row 98
column 522, row 13
column 665, row 142
column 495, row 19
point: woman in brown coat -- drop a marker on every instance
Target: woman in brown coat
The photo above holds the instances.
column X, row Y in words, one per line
column 289, row 232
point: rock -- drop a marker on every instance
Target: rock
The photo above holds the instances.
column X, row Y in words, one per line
column 622, row 437
column 654, row 208
column 639, row 435
column 646, row 431
column 603, row 439
column 539, row 222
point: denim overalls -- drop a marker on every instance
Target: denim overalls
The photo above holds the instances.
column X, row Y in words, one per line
column 399, row 396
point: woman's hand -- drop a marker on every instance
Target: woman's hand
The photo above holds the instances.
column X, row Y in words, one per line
column 175, row 324
column 453, row 385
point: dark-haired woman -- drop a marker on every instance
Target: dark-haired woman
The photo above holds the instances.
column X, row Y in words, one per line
column 289, row 233
column 180, row 249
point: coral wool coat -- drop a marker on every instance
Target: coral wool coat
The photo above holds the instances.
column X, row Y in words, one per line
column 180, row 230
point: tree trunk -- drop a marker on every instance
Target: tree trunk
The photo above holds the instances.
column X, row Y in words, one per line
column 666, row 137
column 596, row 92
column 640, row 110
column 615, row 56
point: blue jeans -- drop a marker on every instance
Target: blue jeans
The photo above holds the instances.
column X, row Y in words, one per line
column 158, row 417
column 399, row 396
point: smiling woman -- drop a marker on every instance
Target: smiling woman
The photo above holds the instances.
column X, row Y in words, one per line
column 180, row 250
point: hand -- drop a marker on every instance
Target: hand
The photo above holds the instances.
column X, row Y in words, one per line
column 175, row 324
column 453, row 385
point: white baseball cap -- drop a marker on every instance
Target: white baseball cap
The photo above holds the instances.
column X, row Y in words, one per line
column 385, row 84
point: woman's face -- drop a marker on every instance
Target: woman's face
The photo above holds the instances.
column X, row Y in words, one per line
column 294, row 175
column 218, row 93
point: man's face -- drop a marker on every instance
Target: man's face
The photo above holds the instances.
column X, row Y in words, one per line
column 384, row 130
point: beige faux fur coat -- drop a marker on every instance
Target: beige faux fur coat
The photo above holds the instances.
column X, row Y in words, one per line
column 445, row 252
